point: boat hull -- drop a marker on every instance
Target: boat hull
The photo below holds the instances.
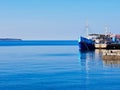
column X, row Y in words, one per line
column 100, row 46
column 86, row 44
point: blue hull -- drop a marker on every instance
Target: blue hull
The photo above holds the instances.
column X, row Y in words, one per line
column 86, row 44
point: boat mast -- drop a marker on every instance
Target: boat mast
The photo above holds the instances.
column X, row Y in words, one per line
column 106, row 30
column 87, row 28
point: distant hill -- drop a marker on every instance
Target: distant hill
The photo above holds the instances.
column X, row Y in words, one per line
column 10, row 39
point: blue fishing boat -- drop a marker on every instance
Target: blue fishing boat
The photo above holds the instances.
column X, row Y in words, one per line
column 86, row 44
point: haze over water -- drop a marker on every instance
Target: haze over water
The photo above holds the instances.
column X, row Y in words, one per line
column 58, row 67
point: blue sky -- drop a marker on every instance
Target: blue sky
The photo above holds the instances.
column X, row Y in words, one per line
column 57, row 19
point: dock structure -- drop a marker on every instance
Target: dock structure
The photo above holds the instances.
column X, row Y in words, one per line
column 107, row 46
column 113, row 46
column 111, row 55
column 106, row 41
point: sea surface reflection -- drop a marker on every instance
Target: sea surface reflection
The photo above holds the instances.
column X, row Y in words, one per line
column 56, row 68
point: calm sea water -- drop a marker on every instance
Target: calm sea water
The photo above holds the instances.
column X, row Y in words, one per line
column 56, row 68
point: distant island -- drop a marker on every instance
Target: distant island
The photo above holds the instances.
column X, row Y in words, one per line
column 10, row 39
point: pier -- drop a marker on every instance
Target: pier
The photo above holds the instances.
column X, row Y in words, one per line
column 107, row 46
column 113, row 46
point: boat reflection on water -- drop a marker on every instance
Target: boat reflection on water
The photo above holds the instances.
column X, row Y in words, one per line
column 90, row 60
column 111, row 58
column 93, row 59
column 112, row 63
